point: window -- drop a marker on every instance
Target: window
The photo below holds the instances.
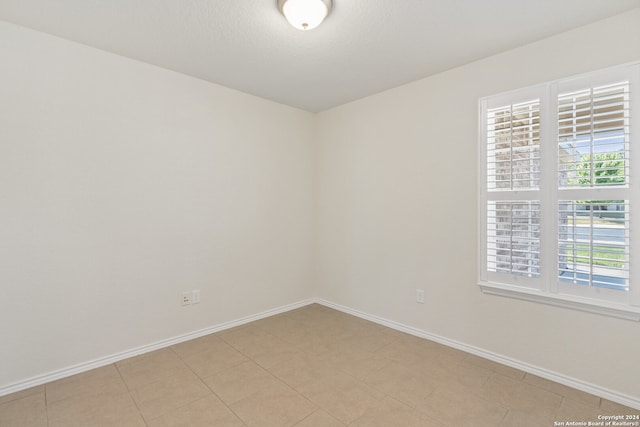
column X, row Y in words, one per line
column 556, row 188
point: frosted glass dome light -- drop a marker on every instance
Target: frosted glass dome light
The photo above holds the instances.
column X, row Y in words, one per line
column 305, row 14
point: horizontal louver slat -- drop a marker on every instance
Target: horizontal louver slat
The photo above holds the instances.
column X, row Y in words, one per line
column 513, row 237
column 557, row 158
column 593, row 243
column 593, row 137
column 513, row 146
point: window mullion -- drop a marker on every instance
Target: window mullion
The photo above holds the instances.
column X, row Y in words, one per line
column 634, row 186
column 591, row 225
column 555, row 222
column 592, row 173
column 511, row 147
column 574, row 236
column 549, row 188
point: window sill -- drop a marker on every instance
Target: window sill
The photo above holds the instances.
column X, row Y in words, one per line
column 584, row 304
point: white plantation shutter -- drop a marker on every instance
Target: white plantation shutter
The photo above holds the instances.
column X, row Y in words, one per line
column 593, row 243
column 513, row 146
column 512, row 184
column 593, row 133
column 593, row 136
column 513, row 237
column 557, row 189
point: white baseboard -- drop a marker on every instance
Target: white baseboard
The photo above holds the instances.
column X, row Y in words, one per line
column 107, row 360
column 605, row 393
column 541, row 372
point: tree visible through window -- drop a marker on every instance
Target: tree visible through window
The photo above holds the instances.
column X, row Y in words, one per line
column 558, row 219
column 593, row 141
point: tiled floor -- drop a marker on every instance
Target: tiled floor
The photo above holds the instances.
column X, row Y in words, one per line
column 310, row 367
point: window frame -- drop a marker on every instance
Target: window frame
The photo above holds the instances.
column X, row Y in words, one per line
column 547, row 288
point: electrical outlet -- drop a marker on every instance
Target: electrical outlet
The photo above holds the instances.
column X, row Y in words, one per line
column 195, row 296
column 186, row 298
column 420, row 296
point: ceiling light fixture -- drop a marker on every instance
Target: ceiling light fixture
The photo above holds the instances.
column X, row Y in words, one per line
column 305, row 14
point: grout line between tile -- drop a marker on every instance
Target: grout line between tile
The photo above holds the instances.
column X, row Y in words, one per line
column 144, row 420
column 222, row 401
column 46, row 404
column 338, row 368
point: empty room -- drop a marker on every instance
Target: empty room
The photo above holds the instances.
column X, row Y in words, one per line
column 274, row 213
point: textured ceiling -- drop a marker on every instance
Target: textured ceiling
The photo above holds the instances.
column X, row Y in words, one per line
column 364, row 46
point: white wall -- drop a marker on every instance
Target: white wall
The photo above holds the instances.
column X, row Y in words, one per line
column 396, row 191
column 121, row 184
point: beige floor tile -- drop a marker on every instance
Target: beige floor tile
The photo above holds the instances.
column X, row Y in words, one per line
column 23, row 393
column 522, row 419
column 245, row 336
column 393, row 413
column 348, row 358
column 351, row 327
column 522, row 398
column 320, row 419
column 206, row 412
column 572, row 410
column 158, row 398
column 235, row 329
column 449, row 354
column 319, row 321
column 97, row 409
column 254, row 342
column 469, row 375
column 313, row 344
column 138, row 358
column 102, row 420
column 151, row 367
column 309, row 367
column 563, row 390
column 197, row 345
column 240, row 381
column 612, row 408
column 428, row 349
column 309, row 332
column 274, row 406
column 303, row 369
column 372, row 341
column 312, row 310
column 341, row 396
column 402, row 383
column 394, row 333
column 437, row 370
column 535, row 401
column 302, row 319
column 498, row 368
column 281, row 326
column 275, row 353
column 361, row 369
column 458, row 406
column 96, row 381
column 337, row 332
column 402, row 352
column 28, row 411
column 214, row 360
column 501, row 389
column 297, row 337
